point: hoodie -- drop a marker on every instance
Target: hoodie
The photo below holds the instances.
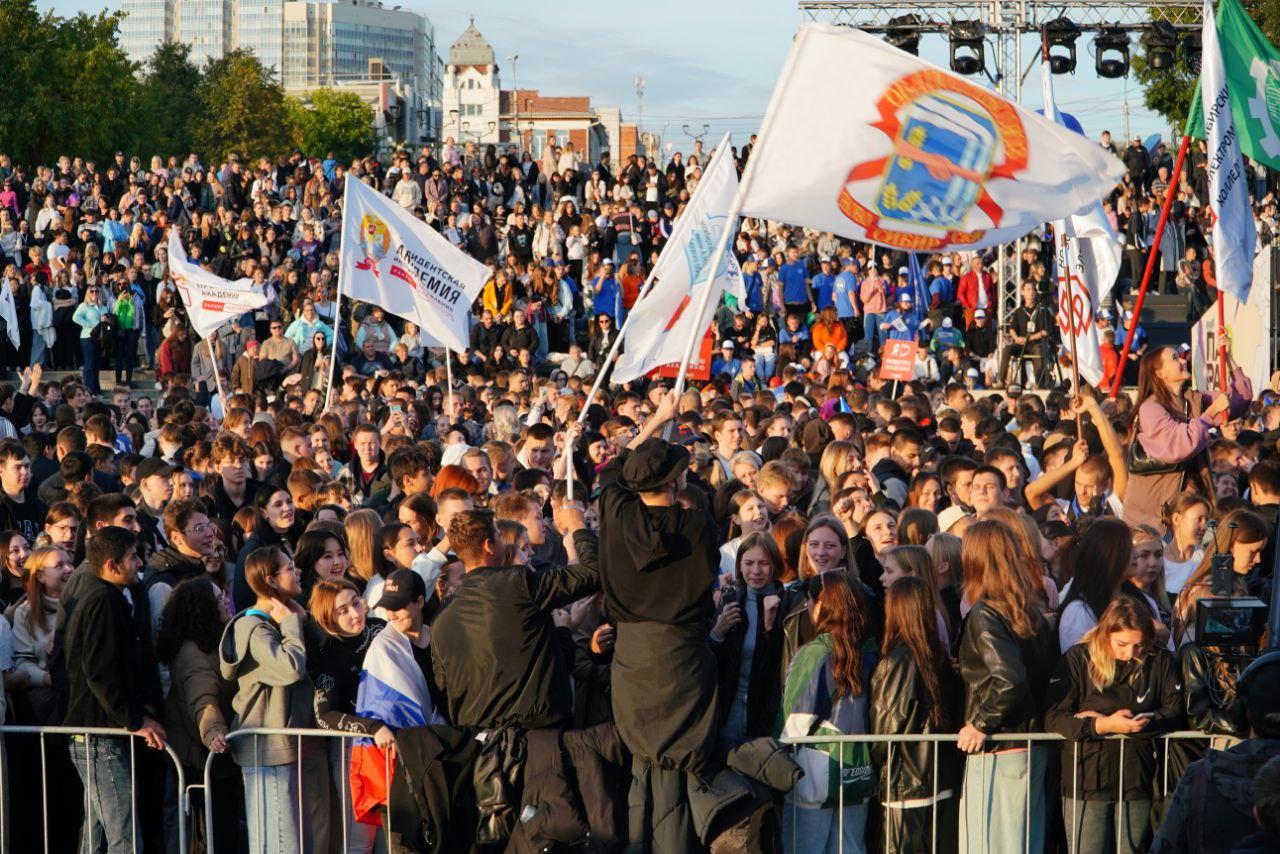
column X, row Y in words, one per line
column 1212, row 808
column 268, row 665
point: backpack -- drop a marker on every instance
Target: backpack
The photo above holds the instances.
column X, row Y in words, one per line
column 124, row 310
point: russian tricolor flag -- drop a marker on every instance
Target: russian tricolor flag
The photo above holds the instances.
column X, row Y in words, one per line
column 393, row 689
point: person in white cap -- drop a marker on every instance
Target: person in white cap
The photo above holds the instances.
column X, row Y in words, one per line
column 900, row 324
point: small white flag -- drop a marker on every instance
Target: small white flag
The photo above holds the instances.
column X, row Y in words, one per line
column 390, row 259
column 914, row 157
column 210, row 300
column 663, row 321
column 1087, row 252
column 1233, row 230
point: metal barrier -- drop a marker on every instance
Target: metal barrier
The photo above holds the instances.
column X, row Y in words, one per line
column 90, row 733
column 1016, row 741
column 341, row 783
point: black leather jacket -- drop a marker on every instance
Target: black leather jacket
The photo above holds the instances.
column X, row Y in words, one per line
column 1005, row 676
column 764, row 692
column 899, row 706
column 1208, row 710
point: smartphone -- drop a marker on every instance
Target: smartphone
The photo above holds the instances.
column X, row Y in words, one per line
column 1144, row 716
column 395, row 407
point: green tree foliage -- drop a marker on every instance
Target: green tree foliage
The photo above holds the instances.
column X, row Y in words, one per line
column 241, row 110
column 169, row 101
column 68, row 87
column 340, row 122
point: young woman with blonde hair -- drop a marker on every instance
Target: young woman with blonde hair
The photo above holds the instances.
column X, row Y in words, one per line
column 1118, row 680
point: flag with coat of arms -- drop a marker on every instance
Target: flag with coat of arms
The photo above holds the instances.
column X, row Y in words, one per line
column 914, row 157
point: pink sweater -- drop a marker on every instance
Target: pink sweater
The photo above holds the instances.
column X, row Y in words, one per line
column 1170, row 440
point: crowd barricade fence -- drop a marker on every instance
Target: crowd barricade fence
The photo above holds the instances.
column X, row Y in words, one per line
column 339, row 782
column 1008, row 741
column 1021, row 740
column 87, row 734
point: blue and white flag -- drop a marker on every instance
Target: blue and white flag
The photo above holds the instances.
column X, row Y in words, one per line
column 1233, row 230
column 662, row 321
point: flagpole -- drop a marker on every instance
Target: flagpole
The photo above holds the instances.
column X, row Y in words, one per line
column 217, row 377
column 448, row 373
column 1222, row 344
column 1071, row 323
column 337, row 334
column 735, row 211
column 1151, row 262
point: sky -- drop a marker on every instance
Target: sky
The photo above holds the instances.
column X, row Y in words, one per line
column 712, row 62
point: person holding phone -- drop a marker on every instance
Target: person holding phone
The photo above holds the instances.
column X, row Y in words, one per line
column 1116, row 681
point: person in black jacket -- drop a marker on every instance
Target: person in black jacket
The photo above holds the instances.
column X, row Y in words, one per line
column 1007, row 654
column 747, row 639
column 1117, row 681
column 914, row 690
column 112, row 681
column 518, row 675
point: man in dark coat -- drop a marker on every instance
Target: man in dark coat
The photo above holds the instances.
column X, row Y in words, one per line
column 659, row 563
column 494, row 649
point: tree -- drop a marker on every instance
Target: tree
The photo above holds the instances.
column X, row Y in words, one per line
column 169, row 101
column 241, row 110
column 341, row 122
column 68, row 87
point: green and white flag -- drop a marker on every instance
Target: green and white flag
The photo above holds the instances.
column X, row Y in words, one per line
column 1252, row 66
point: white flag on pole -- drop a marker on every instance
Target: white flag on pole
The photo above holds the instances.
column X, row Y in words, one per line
column 390, row 259
column 1233, row 229
column 663, row 320
column 914, row 157
column 210, row 300
column 1087, row 265
column 9, row 313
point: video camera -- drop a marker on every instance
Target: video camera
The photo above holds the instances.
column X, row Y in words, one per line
column 1225, row 620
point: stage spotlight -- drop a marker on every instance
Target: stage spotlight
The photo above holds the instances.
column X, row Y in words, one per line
column 1191, row 50
column 1061, row 35
column 1112, row 54
column 903, row 33
column 968, row 55
column 1160, row 42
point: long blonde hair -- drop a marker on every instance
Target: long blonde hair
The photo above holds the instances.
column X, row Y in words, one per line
column 834, row 462
column 992, row 557
column 362, row 527
column 1123, row 614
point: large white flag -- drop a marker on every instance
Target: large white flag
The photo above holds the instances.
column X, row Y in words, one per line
column 1087, row 252
column 1233, row 229
column 210, row 300
column 390, row 259
column 663, row 321
column 9, row 313
column 874, row 144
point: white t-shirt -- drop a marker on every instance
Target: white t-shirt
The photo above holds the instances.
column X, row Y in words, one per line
column 1176, row 573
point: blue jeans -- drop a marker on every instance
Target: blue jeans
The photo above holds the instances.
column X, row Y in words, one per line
column 765, row 363
column 39, row 351
column 871, row 336
column 89, row 353
column 821, row 831
column 623, row 247
column 103, row 764
column 271, row 808
column 1094, row 825
column 1002, row 806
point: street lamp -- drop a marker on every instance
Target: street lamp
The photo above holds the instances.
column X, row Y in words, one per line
column 515, row 92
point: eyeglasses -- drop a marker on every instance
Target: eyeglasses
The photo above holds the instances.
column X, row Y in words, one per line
column 202, row 528
column 68, row 527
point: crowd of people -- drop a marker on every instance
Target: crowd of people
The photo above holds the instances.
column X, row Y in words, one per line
column 790, row 549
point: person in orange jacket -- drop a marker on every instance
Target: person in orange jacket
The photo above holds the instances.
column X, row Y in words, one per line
column 828, row 329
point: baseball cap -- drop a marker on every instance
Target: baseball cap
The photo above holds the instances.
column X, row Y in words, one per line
column 402, row 587
column 824, row 260
column 982, row 312
column 946, row 323
column 608, row 262
column 903, row 271
column 154, row 467
column 726, row 345
column 949, row 517
column 905, row 296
